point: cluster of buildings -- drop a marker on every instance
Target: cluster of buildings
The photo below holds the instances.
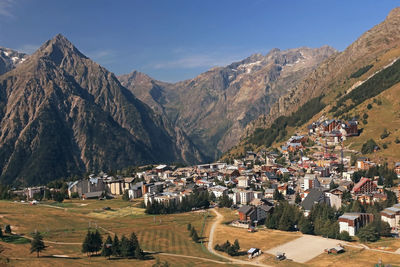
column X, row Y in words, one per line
column 320, row 176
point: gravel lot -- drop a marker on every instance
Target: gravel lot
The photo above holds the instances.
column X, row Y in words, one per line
column 304, row 248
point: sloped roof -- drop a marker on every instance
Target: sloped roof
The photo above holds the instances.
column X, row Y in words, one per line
column 245, row 209
column 315, row 196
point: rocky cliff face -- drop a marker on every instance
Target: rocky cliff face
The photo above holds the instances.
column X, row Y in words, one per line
column 334, row 73
column 216, row 106
column 63, row 114
column 9, row 59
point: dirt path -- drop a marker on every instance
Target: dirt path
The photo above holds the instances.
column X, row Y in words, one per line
column 211, row 244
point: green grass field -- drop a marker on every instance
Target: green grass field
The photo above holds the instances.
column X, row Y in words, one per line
column 68, row 223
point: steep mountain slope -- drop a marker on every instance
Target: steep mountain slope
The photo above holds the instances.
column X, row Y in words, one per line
column 9, row 59
column 332, row 83
column 63, row 114
column 216, row 106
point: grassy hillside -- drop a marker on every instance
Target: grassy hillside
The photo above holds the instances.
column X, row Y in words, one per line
column 376, row 83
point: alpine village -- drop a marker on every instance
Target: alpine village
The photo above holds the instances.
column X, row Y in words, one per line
column 291, row 158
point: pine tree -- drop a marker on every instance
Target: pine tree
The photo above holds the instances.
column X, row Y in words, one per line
column 189, row 226
column 305, row 226
column 236, row 245
column 139, row 253
column 7, row 229
column 124, row 246
column 195, row 237
column 192, row 231
column 37, row 244
column 86, row 243
column 133, row 244
column 116, row 250
column 107, row 248
column 97, row 242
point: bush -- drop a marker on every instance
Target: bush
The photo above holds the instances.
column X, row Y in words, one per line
column 74, row 195
column 368, row 147
column 397, row 141
column 344, row 235
column 368, row 233
column 369, row 106
column 385, row 134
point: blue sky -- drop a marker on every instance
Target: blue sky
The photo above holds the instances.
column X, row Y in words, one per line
column 177, row 40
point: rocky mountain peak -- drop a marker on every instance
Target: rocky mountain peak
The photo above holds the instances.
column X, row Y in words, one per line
column 394, row 15
column 58, row 48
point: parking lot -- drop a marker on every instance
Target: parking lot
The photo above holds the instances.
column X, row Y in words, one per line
column 304, row 248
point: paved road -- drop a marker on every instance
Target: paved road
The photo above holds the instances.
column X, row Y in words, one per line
column 211, row 244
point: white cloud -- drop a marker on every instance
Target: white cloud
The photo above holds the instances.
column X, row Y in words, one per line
column 5, row 8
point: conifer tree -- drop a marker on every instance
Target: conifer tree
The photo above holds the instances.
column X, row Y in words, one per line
column 116, row 250
column 192, row 231
column 189, row 226
column 107, row 248
column 96, row 242
column 86, row 243
column 7, row 229
column 37, row 244
column 236, row 245
column 124, row 244
column 195, row 237
column 139, row 253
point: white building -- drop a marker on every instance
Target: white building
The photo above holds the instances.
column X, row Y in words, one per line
column 353, row 221
column 243, row 181
column 391, row 216
column 218, row 190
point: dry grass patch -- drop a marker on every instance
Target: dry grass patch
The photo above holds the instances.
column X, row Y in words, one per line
column 355, row 257
column 262, row 239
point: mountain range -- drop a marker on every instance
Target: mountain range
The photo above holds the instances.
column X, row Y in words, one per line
column 214, row 107
column 62, row 114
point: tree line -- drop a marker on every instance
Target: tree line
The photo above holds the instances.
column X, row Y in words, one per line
column 197, row 199
column 124, row 248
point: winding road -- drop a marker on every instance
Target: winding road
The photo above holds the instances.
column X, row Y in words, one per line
column 211, row 243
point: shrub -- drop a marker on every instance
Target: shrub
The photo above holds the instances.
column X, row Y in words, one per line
column 369, row 106
column 368, row 147
column 385, row 134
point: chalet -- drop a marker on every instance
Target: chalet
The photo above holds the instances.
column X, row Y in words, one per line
column 247, row 213
column 87, row 186
column 313, row 197
column 253, row 214
column 365, row 185
column 335, row 250
column 364, row 163
column 136, row 190
column 391, row 216
column 152, row 188
column 352, row 222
